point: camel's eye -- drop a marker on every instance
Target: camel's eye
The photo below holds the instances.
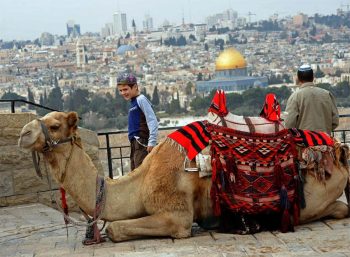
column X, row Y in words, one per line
column 54, row 127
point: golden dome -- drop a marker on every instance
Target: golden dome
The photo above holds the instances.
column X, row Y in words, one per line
column 230, row 59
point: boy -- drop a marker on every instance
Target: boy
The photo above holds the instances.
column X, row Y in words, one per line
column 142, row 122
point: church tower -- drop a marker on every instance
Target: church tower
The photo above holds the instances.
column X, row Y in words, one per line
column 81, row 55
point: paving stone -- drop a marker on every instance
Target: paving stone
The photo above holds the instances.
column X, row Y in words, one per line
column 338, row 224
column 37, row 230
column 234, row 248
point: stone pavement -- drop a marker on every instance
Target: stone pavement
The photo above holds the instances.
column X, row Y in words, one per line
column 36, row 230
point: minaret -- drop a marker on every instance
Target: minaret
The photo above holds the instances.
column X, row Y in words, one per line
column 133, row 25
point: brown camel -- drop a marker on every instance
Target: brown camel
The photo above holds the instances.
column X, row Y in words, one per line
column 158, row 198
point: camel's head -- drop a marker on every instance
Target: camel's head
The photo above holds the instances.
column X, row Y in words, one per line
column 40, row 134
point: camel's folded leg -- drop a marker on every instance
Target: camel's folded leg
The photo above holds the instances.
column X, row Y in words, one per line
column 337, row 210
column 176, row 225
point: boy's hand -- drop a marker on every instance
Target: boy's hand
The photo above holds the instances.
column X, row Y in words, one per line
column 149, row 148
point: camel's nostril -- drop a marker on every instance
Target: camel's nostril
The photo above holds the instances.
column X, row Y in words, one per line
column 26, row 133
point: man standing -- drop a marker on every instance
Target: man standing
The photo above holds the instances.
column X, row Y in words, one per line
column 142, row 122
column 311, row 107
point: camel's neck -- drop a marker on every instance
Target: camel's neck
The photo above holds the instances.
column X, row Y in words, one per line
column 78, row 178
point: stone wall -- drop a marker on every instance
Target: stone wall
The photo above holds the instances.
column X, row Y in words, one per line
column 19, row 183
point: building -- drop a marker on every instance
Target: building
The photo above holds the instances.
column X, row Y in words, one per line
column 148, row 23
column 120, row 23
column 73, row 30
column 47, row 39
column 126, row 50
column 107, row 30
column 231, row 74
column 81, row 55
column 300, row 19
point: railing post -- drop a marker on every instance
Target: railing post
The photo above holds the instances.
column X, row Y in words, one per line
column 344, row 136
column 121, row 160
column 12, row 106
column 109, row 157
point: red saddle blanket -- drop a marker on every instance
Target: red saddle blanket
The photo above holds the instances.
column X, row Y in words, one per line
column 253, row 173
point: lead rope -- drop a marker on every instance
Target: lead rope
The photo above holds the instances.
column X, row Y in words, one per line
column 79, row 223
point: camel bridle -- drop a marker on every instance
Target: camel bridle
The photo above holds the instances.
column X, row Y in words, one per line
column 50, row 145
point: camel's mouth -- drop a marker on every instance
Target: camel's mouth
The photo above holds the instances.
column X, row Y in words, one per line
column 24, row 144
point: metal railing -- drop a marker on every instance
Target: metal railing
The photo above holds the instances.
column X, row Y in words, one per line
column 13, row 102
column 342, row 135
column 121, row 155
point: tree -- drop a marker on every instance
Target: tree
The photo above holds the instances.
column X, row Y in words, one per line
column 206, row 47
column 120, row 106
column 13, row 96
column 192, row 37
column 79, row 101
column 144, row 92
column 174, row 106
column 155, row 97
column 54, row 99
column 319, row 73
column 30, row 98
column 181, row 41
column 188, row 89
column 199, row 76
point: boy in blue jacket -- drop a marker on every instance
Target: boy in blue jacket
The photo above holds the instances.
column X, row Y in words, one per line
column 142, row 122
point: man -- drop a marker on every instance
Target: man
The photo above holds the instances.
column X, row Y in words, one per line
column 311, row 107
column 142, row 122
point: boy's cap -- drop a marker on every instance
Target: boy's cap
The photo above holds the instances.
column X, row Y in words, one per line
column 126, row 79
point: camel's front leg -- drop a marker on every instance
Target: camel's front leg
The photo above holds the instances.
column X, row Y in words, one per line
column 337, row 210
column 176, row 225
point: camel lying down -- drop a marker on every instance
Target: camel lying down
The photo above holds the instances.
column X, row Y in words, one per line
column 158, row 198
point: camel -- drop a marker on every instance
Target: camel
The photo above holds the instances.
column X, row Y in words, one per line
column 158, row 198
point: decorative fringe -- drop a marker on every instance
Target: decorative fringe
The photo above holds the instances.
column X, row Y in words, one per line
column 301, row 194
column 215, row 200
column 222, row 177
column 286, row 222
column 172, row 142
column 296, row 213
column 285, row 207
column 284, row 198
column 215, row 165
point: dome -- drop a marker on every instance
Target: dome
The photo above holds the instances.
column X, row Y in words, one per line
column 125, row 48
column 230, row 59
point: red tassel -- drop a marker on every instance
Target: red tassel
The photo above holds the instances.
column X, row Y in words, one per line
column 215, row 200
column 278, row 173
column 213, row 168
column 64, row 203
column 296, row 213
column 285, row 221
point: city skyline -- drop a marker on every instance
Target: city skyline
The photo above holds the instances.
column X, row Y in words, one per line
column 25, row 19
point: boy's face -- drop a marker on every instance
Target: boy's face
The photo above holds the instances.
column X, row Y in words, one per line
column 128, row 91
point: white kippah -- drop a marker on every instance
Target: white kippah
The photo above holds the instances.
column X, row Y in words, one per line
column 304, row 67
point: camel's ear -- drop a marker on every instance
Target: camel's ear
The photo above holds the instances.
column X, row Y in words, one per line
column 72, row 119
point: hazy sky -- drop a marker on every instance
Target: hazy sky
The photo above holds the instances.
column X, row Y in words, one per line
column 27, row 19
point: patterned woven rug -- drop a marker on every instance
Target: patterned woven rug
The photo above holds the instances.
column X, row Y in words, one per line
column 254, row 173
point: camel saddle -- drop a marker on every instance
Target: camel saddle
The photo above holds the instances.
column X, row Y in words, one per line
column 254, row 173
